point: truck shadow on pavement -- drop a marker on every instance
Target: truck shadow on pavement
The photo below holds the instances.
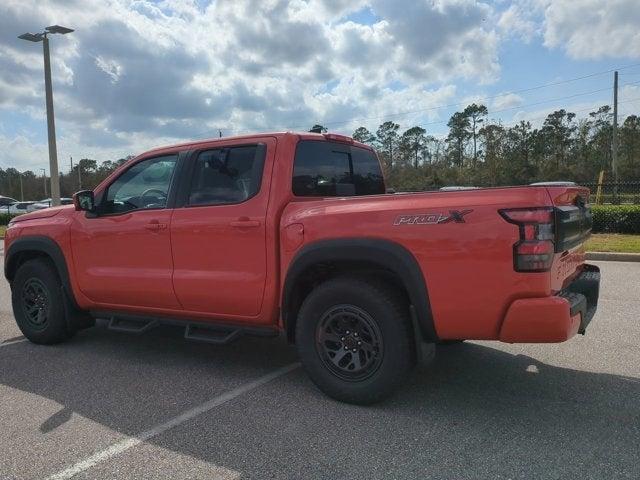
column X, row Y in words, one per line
column 474, row 412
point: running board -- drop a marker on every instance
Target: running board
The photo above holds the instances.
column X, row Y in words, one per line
column 211, row 334
column 215, row 333
column 131, row 325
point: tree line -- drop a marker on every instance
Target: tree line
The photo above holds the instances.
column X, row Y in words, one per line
column 480, row 152
column 28, row 185
column 475, row 151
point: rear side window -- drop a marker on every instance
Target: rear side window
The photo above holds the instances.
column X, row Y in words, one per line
column 332, row 169
column 227, row 175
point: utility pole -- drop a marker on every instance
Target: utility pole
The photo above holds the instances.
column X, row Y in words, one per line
column 21, row 191
column 44, row 180
column 220, row 133
column 614, row 143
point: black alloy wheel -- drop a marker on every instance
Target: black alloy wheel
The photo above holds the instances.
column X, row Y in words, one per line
column 349, row 342
column 35, row 303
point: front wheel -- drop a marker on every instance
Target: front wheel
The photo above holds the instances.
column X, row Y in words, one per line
column 355, row 339
column 38, row 303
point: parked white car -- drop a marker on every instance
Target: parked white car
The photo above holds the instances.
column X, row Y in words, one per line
column 46, row 203
column 5, row 203
column 19, row 208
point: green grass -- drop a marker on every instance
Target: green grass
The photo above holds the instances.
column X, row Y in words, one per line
column 3, row 228
column 613, row 242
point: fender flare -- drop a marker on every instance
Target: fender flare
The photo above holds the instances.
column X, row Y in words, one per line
column 46, row 246
column 389, row 255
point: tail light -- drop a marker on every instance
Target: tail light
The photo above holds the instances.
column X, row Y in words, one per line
column 534, row 251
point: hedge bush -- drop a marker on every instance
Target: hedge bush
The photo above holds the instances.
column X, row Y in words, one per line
column 616, row 218
column 4, row 218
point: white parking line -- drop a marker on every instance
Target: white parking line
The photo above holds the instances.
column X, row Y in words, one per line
column 13, row 342
column 126, row 444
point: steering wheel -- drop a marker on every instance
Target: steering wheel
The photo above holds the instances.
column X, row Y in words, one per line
column 152, row 190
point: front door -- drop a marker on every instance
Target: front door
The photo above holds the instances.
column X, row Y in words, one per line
column 122, row 255
column 218, row 237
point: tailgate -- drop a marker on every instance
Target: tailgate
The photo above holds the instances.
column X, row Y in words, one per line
column 573, row 224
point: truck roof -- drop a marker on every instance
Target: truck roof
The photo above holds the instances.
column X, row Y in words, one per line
column 253, row 136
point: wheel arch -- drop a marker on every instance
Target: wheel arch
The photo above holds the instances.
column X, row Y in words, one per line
column 320, row 260
column 34, row 246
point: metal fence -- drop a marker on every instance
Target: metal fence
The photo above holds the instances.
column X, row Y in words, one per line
column 618, row 193
column 620, row 202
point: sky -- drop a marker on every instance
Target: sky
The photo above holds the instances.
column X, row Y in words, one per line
column 139, row 74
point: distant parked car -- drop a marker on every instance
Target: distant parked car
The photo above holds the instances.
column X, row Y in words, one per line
column 46, row 203
column 19, row 208
column 553, row 184
column 5, row 202
column 455, row 188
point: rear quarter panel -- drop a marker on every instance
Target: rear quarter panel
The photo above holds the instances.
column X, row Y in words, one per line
column 468, row 267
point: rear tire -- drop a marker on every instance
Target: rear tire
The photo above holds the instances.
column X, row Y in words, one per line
column 355, row 339
column 38, row 303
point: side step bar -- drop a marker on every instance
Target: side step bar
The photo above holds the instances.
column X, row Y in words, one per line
column 131, row 325
column 214, row 333
column 211, row 334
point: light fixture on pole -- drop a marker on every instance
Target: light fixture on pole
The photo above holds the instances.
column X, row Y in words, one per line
column 51, row 127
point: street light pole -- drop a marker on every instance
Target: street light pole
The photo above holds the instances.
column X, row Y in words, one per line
column 51, row 126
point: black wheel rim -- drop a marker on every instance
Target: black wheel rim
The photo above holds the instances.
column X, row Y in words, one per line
column 35, row 303
column 349, row 342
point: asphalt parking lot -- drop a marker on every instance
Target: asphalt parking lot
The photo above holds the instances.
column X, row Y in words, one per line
column 112, row 405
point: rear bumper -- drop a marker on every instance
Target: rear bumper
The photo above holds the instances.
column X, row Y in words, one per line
column 556, row 318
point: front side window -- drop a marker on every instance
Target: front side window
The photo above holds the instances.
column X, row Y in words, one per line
column 227, row 175
column 329, row 169
column 143, row 186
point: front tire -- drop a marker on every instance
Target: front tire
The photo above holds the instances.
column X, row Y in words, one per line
column 355, row 339
column 38, row 303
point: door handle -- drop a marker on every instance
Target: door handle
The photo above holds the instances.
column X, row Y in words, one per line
column 155, row 226
column 245, row 222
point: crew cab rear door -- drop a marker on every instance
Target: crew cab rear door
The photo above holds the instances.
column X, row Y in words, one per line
column 218, row 234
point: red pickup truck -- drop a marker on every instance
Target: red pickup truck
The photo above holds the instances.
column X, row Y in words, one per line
column 296, row 233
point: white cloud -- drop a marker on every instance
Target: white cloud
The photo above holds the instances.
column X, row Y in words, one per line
column 140, row 73
column 592, row 29
column 110, row 67
column 23, row 151
column 628, row 99
column 516, row 21
column 506, row 101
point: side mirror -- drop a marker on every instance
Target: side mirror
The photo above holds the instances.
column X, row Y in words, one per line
column 84, row 201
